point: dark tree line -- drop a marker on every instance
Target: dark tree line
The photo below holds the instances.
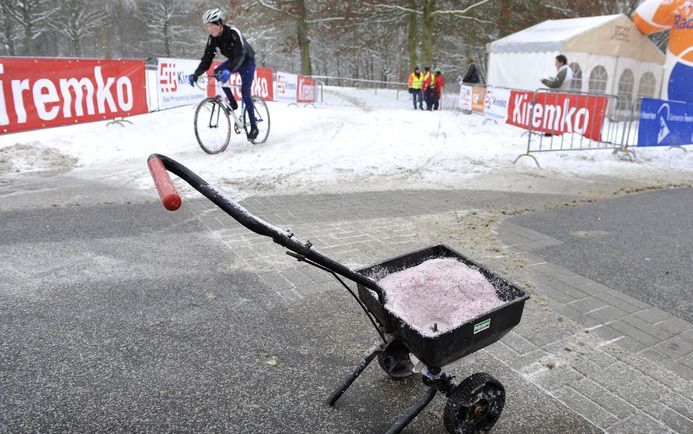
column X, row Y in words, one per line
column 367, row 39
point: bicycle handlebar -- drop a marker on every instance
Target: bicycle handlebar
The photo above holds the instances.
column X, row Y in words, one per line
column 167, row 191
column 217, row 83
column 158, row 166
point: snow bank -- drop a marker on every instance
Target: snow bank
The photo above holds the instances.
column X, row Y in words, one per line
column 357, row 140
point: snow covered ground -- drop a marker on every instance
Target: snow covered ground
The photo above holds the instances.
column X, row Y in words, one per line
column 357, row 140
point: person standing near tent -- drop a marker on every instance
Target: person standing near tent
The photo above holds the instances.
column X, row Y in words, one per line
column 429, row 82
column 472, row 74
column 562, row 79
column 415, row 83
column 439, row 85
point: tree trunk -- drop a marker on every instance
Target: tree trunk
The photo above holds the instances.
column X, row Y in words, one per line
column 121, row 40
column 28, row 40
column 412, row 40
column 504, row 19
column 304, row 41
column 105, row 43
column 9, row 37
column 76, row 47
column 8, row 30
column 167, row 48
column 427, row 33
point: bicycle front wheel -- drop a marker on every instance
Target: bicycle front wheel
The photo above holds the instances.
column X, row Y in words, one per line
column 262, row 117
column 212, row 126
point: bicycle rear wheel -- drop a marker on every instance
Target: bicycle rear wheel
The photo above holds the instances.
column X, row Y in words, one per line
column 262, row 117
column 212, row 126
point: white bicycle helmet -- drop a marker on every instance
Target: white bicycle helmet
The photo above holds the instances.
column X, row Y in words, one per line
column 212, row 16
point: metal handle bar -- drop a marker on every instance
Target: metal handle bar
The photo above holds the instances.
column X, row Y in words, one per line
column 159, row 164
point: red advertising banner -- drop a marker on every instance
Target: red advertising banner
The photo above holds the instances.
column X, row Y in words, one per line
column 262, row 83
column 558, row 113
column 305, row 91
column 39, row 93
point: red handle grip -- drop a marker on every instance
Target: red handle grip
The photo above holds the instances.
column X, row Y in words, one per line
column 167, row 191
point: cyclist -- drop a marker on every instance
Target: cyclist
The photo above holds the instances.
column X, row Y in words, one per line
column 240, row 58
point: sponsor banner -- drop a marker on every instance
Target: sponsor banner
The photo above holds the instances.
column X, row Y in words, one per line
column 478, row 99
column 665, row 123
column 286, row 87
column 172, row 85
column 558, row 113
column 466, row 98
column 306, row 89
column 263, row 84
column 39, row 93
column 496, row 103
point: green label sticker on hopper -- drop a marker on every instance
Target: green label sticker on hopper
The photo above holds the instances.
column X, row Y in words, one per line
column 481, row 326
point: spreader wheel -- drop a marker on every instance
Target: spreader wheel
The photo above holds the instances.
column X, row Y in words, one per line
column 395, row 360
column 474, row 405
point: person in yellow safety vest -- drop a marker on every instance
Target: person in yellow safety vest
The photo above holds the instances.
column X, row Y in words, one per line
column 414, row 84
column 429, row 81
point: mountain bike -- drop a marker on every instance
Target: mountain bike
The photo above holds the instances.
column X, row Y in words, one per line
column 213, row 121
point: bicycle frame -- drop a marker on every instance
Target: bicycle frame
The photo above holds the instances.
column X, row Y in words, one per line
column 238, row 122
column 241, row 120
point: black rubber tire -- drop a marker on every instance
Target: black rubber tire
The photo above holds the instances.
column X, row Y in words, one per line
column 395, row 360
column 263, row 120
column 475, row 405
column 211, row 111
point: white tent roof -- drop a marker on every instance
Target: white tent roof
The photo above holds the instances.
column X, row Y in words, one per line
column 611, row 35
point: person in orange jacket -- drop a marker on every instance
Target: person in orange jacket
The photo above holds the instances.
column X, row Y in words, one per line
column 429, row 82
column 414, row 84
column 438, row 85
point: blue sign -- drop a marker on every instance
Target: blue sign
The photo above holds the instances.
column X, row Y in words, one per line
column 665, row 123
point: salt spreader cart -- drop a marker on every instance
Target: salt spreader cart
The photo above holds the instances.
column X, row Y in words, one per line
column 475, row 404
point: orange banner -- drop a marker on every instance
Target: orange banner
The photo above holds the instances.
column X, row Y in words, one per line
column 478, row 99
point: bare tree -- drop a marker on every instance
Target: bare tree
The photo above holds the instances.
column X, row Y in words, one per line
column 306, row 15
column 75, row 20
column 168, row 25
column 31, row 16
column 429, row 11
column 295, row 10
column 7, row 37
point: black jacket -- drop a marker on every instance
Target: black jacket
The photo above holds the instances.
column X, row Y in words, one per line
column 230, row 44
column 472, row 75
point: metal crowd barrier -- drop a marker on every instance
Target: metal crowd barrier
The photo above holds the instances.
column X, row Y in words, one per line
column 610, row 128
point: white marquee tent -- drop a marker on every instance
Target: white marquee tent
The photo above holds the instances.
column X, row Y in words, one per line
column 607, row 54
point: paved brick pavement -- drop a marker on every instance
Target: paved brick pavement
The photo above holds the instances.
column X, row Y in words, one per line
column 628, row 364
column 622, row 364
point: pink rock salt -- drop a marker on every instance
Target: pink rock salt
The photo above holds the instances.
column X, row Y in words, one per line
column 438, row 295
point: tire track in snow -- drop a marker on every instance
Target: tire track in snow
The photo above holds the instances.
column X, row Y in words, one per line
column 351, row 99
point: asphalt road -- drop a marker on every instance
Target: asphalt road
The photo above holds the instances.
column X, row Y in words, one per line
column 640, row 244
column 118, row 316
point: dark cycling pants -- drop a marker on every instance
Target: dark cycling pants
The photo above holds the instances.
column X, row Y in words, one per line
column 247, row 73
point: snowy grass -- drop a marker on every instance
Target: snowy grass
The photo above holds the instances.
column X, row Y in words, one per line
column 357, row 139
